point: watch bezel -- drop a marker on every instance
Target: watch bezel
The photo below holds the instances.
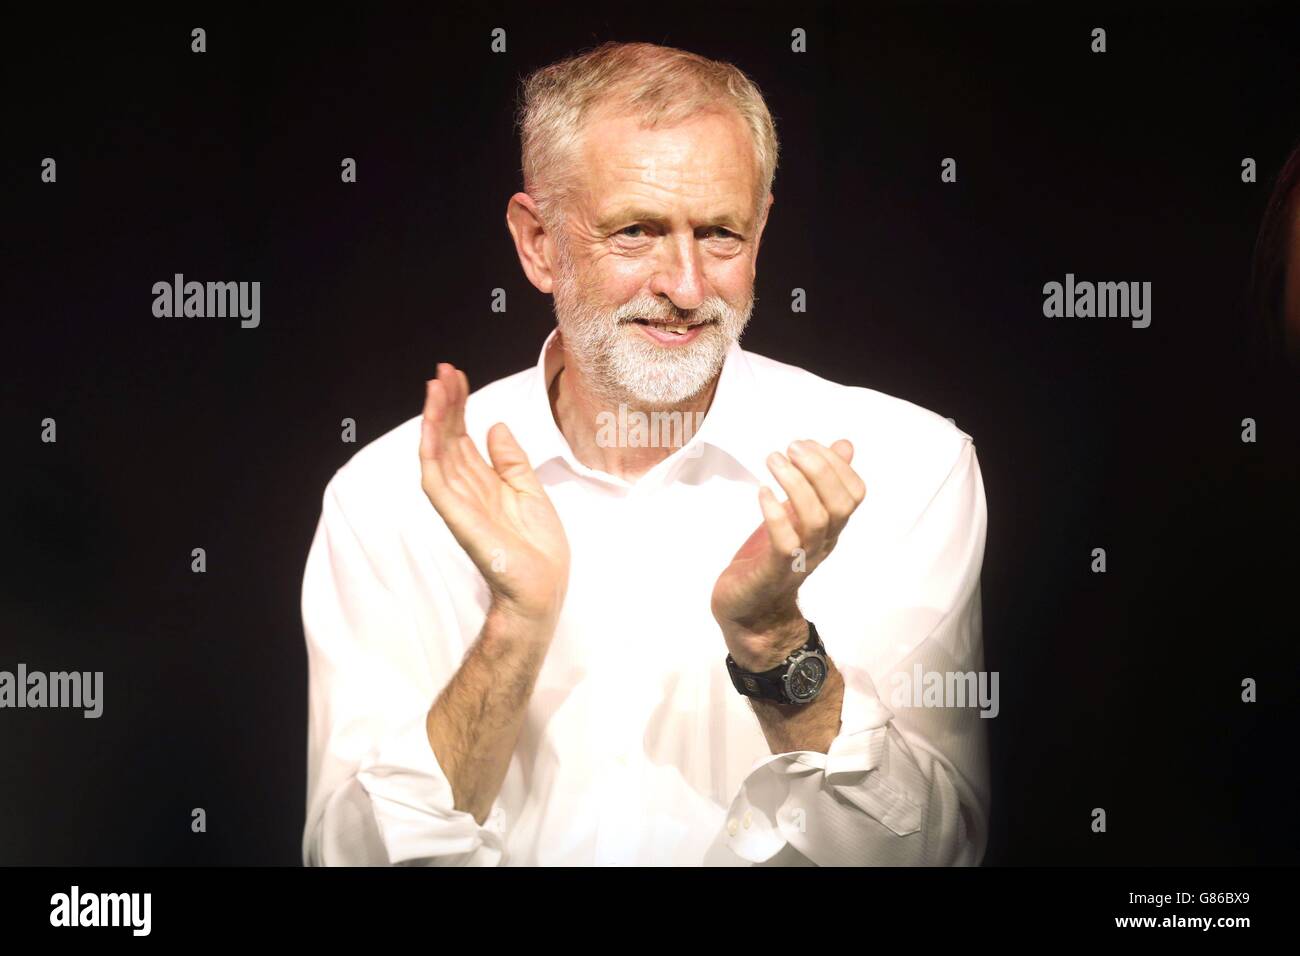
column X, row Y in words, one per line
column 798, row 658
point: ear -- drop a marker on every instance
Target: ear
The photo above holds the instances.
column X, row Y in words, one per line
column 533, row 243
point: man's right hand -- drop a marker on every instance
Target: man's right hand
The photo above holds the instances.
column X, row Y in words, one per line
column 500, row 515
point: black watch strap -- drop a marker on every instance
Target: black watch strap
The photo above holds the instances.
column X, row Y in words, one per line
column 770, row 684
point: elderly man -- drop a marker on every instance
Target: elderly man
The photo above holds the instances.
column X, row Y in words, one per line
column 565, row 642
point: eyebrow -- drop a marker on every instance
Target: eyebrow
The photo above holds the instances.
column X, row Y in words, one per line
column 631, row 214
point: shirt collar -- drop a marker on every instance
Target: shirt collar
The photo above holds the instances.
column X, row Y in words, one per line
column 738, row 422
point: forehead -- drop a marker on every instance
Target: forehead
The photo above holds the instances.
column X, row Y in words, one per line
column 709, row 158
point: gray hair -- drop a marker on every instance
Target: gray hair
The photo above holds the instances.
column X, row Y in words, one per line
column 661, row 85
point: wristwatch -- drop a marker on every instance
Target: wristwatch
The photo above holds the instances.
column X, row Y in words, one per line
column 796, row 680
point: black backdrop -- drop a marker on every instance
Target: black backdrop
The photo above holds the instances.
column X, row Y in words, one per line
column 1119, row 690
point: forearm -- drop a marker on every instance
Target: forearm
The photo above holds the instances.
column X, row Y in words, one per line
column 474, row 724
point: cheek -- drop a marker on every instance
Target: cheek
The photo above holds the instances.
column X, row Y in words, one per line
column 734, row 279
column 619, row 280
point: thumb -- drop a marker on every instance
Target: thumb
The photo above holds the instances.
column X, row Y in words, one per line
column 843, row 448
column 510, row 461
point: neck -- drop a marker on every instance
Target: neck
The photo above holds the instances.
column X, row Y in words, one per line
column 582, row 417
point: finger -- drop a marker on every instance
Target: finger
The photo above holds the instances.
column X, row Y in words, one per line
column 435, row 398
column 463, row 399
column 844, row 448
column 821, row 474
column 442, row 471
column 480, row 475
column 456, row 472
column 448, row 497
column 447, row 494
column 510, row 461
column 450, row 432
column 781, row 531
column 466, row 462
column 852, row 482
column 459, row 390
column 811, row 515
column 431, row 453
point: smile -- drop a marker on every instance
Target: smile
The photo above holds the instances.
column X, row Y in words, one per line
column 670, row 333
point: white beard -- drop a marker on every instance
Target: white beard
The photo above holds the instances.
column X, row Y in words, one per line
column 621, row 364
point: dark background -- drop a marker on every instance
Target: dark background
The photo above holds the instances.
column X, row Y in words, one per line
column 1119, row 690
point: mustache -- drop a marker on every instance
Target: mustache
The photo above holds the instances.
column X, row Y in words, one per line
column 712, row 310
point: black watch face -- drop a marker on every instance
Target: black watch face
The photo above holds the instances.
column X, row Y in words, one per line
column 806, row 678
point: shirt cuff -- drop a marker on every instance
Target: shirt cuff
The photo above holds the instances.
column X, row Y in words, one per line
column 415, row 809
column 771, row 808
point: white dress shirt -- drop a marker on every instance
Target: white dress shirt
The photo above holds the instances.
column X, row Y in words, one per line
column 636, row 748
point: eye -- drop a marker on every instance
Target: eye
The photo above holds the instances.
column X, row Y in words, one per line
column 720, row 232
column 625, row 231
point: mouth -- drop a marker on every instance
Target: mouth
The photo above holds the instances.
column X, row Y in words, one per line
column 670, row 333
column 666, row 325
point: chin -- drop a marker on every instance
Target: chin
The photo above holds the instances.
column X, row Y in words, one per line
column 668, row 389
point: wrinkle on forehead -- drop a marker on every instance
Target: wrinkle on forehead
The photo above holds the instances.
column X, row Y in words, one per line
column 706, row 157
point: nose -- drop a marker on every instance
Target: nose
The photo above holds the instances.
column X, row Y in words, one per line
column 680, row 274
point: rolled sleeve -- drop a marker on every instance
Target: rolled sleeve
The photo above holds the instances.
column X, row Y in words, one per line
column 414, row 806
column 376, row 792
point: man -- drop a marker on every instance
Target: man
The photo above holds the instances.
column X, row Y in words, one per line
column 559, row 643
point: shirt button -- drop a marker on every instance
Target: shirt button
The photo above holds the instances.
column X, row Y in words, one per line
column 731, row 826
